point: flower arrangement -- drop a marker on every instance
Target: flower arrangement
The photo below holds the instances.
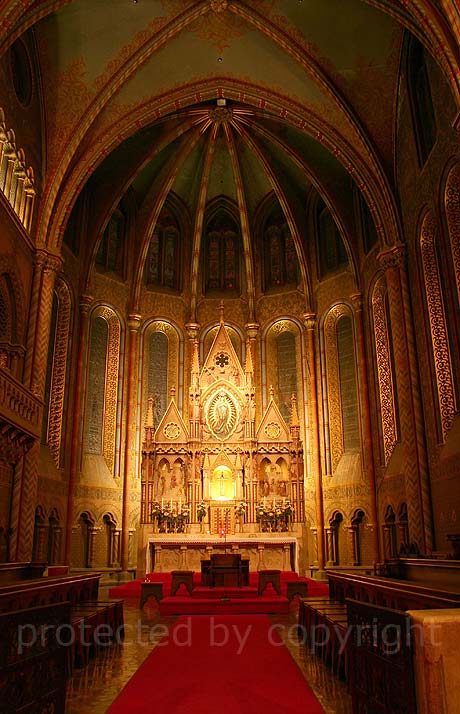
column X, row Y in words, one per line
column 240, row 509
column 201, row 511
column 171, row 517
column 274, row 515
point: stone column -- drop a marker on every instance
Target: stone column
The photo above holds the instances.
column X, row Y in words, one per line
column 57, row 540
column 286, row 557
column 260, row 559
column 310, row 321
column 353, row 532
column 76, row 436
column 92, row 532
column 158, row 559
column 331, row 546
column 365, row 411
column 45, row 268
column 116, row 546
column 40, row 548
column 387, row 542
column 314, row 532
column 393, row 262
column 130, row 435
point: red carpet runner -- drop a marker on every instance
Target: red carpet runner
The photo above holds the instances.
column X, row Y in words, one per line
column 229, row 664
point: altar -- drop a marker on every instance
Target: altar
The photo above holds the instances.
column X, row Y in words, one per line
column 170, row 552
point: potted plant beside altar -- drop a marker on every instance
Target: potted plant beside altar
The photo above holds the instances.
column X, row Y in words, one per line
column 240, row 512
column 201, row 513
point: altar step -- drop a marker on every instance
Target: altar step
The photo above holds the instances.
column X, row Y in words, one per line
column 222, row 592
column 226, row 605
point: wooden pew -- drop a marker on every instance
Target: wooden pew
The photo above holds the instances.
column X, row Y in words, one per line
column 390, row 592
column 33, row 659
column 14, row 572
column 43, row 591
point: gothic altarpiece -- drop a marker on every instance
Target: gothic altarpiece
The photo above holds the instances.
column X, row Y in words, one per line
column 221, row 480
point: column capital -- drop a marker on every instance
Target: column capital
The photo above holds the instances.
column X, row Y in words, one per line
column 85, row 303
column 309, row 319
column 393, row 257
column 357, row 301
column 40, row 257
column 134, row 322
column 53, row 263
column 252, row 329
column 193, row 329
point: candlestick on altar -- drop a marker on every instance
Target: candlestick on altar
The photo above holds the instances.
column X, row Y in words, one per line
column 162, row 503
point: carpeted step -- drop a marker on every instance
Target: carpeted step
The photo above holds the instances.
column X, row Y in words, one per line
column 230, row 606
column 220, row 592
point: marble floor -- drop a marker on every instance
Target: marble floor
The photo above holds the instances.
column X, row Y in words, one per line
column 93, row 688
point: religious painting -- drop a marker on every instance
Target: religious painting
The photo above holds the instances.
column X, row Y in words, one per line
column 222, row 414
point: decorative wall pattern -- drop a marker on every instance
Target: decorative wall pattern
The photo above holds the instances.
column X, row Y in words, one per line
column 384, row 369
column 452, row 206
column 438, row 327
column 60, row 357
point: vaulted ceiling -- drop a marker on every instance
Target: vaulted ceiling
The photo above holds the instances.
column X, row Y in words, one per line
column 206, row 98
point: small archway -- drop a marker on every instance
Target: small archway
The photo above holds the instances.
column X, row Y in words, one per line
column 333, row 540
column 54, row 538
column 112, row 541
column 389, row 533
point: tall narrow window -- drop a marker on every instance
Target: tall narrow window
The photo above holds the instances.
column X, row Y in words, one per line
column 421, row 100
column 342, row 391
column 287, row 373
column 332, row 255
column 102, row 387
column 284, row 360
column 278, row 250
column 110, row 254
column 222, row 247
column 368, row 229
column 162, row 267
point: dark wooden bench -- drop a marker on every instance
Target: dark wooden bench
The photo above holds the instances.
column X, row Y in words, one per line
column 43, row 591
column 33, row 656
column 391, row 592
column 16, row 572
column 329, row 615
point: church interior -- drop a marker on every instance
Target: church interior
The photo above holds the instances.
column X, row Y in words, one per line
column 230, row 304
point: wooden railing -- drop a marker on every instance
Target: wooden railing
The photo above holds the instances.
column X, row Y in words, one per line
column 18, row 406
column 391, row 592
column 49, row 590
